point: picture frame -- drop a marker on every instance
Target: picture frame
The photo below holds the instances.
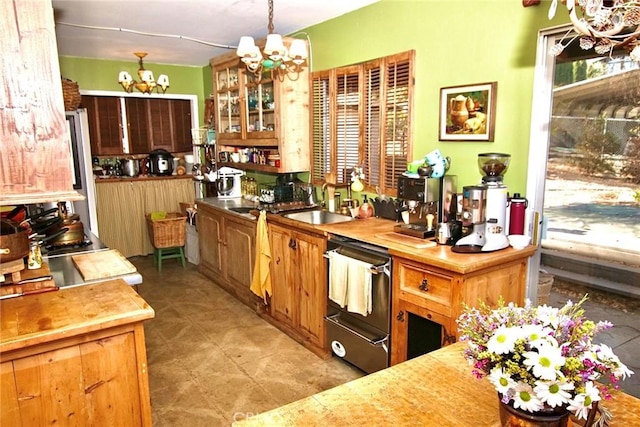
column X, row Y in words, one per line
column 467, row 113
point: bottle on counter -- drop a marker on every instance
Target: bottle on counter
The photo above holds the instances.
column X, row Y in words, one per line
column 366, row 210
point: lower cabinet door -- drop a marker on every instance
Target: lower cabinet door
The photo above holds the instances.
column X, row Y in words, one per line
column 311, row 284
column 282, row 271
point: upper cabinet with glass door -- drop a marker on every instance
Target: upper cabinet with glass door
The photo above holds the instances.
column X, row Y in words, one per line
column 228, row 101
column 265, row 113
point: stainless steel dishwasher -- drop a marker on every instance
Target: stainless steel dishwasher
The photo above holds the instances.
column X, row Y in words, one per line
column 363, row 341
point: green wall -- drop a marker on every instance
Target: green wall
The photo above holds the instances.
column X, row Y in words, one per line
column 100, row 74
column 457, row 42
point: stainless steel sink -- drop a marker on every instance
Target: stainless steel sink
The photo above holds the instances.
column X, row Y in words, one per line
column 242, row 210
column 318, row 217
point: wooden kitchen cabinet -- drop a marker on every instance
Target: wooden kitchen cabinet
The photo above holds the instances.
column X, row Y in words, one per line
column 105, row 124
column 75, row 357
column 35, row 143
column 437, row 294
column 298, row 279
column 158, row 123
column 151, row 123
column 227, row 251
column 263, row 114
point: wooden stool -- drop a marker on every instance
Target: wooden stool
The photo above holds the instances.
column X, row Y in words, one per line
column 160, row 254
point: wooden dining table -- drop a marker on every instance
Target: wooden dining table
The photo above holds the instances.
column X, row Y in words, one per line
column 436, row 389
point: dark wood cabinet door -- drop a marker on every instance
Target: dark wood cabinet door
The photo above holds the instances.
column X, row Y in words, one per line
column 159, row 111
column 105, row 128
column 138, row 125
column 181, row 114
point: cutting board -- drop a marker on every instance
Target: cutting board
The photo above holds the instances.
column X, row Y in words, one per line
column 102, row 264
column 37, row 275
column 403, row 239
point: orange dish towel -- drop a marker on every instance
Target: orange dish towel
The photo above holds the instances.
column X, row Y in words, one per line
column 261, row 282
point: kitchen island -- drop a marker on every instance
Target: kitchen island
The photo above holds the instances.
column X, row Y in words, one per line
column 436, row 389
column 75, row 357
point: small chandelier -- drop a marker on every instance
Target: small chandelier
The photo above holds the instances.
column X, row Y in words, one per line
column 602, row 25
column 276, row 59
column 147, row 84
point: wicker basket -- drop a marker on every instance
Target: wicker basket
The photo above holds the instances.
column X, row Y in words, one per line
column 545, row 281
column 168, row 232
column 71, row 95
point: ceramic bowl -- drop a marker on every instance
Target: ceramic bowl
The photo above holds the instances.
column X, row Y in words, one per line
column 518, row 241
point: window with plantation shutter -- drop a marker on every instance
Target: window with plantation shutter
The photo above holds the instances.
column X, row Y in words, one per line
column 362, row 117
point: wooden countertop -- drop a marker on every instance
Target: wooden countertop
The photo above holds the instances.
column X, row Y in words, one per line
column 441, row 256
column 435, row 389
column 34, row 319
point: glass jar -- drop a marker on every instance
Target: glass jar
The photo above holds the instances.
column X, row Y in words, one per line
column 34, row 260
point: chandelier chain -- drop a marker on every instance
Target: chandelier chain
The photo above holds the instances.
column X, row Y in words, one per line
column 270, row 27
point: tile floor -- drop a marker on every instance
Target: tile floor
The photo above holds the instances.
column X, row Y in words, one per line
column 212, row 360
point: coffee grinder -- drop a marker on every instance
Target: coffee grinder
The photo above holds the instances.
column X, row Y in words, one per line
column 484, row 207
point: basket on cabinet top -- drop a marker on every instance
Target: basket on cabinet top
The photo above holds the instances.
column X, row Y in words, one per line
column 167, row 232
column 70, row 94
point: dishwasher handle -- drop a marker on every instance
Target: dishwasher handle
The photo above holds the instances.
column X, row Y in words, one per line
column 377, row 342
column 375, row 269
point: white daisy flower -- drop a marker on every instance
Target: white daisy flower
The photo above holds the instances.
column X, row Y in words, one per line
column 548, row 316
column 503, row 339
column 545, row 361
column 501, row 380
column 553, row 393
column 526, row 399
column 537, row 335
column 581, row 404
column 605, row 354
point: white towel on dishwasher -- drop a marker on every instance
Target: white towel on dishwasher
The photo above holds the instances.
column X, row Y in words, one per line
column 338, row 267
column 359, row 287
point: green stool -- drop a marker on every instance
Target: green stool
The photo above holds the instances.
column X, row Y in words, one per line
column 167, row 253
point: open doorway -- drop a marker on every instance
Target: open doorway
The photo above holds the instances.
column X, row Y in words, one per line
column 584, row 170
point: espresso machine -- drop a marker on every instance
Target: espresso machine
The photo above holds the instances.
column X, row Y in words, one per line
column 484, row 207
column 425, row 201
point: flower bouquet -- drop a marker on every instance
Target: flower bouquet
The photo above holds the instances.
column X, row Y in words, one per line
column 541, row 358
column 357, row 176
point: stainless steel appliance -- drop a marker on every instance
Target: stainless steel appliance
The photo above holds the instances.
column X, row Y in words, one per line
column 484, row 208
column 228, row 184
column 83, row 178
column 427, row 201
column 363, row 341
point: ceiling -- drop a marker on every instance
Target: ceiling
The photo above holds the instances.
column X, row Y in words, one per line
column 211, row 21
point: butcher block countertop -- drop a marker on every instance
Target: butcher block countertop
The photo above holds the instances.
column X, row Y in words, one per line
column 35, row 319
column 436, row 389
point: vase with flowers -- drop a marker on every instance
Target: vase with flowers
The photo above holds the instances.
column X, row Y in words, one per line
column 357, row 176
column 541, row 359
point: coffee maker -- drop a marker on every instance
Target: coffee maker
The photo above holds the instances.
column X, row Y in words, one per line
column 484, row 207
column 425, row 201
column 228, row 183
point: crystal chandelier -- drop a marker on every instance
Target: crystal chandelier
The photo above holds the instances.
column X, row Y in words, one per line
column 602, row 25
column 147, row 84
column 277, row 59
